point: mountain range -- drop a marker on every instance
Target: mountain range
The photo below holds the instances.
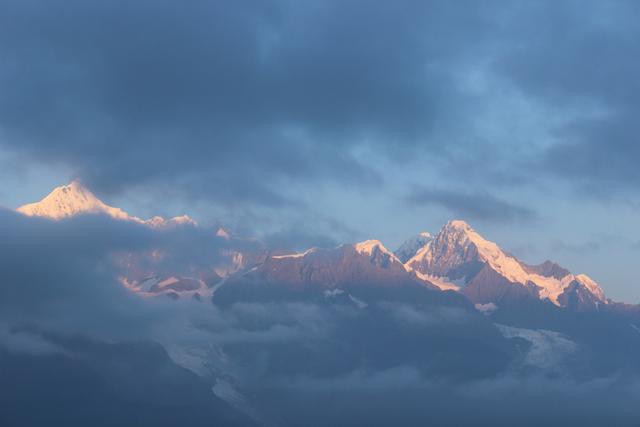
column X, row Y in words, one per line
column 452, row 307
column 75, row 199
column 456, row 258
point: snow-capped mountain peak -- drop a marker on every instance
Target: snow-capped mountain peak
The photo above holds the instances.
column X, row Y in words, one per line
column 458, row 244
column 69, row 200
column 410, row 247
column 460, row 256
column 367, row 263
column 158, row 221
column 457, row 224
column 459, row 232
column 221, row 232
column 371, row 247
column 591, row 285
column 76, row 199
column 456, row 258
column 378, row 255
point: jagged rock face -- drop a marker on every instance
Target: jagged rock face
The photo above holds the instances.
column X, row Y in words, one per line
column 450, row 251
column 578, row 297
column 409, row 248
column 485, row 273
column 357, row 275
column 368, row 262
column 592, row 287
column 457, row 258
column 488, row 286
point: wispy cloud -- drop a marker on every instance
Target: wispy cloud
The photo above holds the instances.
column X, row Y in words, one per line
column 478, row 205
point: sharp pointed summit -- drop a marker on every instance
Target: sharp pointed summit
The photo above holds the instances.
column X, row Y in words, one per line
column 410, row 247
column 75, row 199
column 69, row 200
column 459, row 258
column 368, row 262
column 457, row 224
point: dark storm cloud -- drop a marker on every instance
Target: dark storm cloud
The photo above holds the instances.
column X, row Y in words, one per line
column 477, row 205
column 226, row 99
column 237, row 100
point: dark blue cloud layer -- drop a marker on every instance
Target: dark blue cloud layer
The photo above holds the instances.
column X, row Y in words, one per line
column 231, row 101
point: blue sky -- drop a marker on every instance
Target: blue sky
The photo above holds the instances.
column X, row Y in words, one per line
column 321, row 122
